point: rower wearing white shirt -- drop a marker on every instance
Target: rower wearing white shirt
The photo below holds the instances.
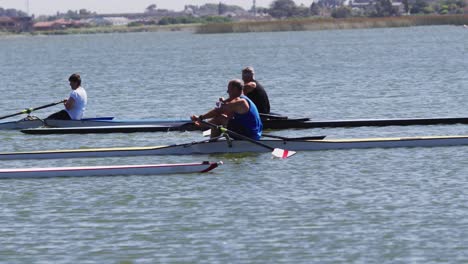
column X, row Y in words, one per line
column 75, row 105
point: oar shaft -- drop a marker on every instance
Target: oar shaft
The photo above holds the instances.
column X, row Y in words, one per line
column 237, row 135
column 45, row 106
column 7, row 116
column 294, row 138
column 29, row 110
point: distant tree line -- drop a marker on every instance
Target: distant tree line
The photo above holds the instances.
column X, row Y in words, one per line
column 11, row 12
column 192, row 20
column 278, row 9
column 182, row 20
column 443, row 7
column 377, row 8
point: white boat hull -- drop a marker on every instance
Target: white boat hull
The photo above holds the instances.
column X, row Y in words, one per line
column 122, row 170
column 34, row 122
column 238, row 146
column 21, row 124
column 114, row 123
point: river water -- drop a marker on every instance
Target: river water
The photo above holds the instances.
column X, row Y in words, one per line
column 349, row 206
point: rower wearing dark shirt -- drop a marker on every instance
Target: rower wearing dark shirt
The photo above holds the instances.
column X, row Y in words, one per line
column 255, row 91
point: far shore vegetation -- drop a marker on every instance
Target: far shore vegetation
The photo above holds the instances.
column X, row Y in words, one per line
column 120, row 29
column 306, row 24
column 281, row 15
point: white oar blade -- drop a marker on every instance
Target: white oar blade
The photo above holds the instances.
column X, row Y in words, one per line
column 282, row 153
column 207, row 133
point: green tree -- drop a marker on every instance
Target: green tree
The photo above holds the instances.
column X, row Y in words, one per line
column 151, row 8
column 330, row 3
column 301, row 11
column 450, row 7
column 72, row 15
column 406, row 6
column 314, row 9
column 382, row 8
column 11, row 12
column 341, row 12
column 222, row 8
column 418, row 7
column 282, row 8
column 84, row 13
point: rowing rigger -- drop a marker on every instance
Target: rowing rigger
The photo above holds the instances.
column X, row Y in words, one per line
column 121, row 170
column 240, row 146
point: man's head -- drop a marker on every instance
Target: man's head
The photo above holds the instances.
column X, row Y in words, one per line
column 248, row 74
column 75, row 81
column 235, row 88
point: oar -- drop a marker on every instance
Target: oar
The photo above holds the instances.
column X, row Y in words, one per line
column 273, row 116
column 294, row 138
column 29, row 110
column 207, row 133
column 277, row 152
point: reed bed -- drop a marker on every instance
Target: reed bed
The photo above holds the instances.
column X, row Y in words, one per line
column 119, row 29
column 306, row 24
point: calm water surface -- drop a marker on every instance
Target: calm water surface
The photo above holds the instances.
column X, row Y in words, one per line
column 350, row 206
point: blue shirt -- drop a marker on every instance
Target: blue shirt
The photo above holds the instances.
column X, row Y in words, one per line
column 250, row 122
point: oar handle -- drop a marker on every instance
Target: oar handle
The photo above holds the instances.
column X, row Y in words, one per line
column 44, row 106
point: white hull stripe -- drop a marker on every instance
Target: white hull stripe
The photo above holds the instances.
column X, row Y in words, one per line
column 151, row 169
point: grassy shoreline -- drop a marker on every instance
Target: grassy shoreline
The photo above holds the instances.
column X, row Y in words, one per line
column 310, row 24
column 302, row 24
column 112, row 29
column 120, row 29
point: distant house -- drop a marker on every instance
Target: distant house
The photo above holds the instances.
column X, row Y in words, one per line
column 98, row 21
column 118, row 21
column 48, row 25
column 58, row 24
column 400, row 5
column 16, row 24
column 365, row 3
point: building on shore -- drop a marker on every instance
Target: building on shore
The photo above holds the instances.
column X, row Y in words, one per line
column 16, row 24
column 361, row 4
column 58, row 24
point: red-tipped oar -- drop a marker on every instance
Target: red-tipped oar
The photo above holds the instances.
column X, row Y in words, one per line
column 30, row 110
column 276, row 152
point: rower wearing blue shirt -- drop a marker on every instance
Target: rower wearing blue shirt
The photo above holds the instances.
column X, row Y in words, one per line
column 238, row 113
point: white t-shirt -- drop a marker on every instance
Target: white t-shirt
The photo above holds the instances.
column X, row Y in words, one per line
column 81, row 99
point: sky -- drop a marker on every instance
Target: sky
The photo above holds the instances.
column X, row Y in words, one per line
column 49, row 7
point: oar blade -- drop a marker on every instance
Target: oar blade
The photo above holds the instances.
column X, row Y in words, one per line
column 207, row 133
column 282, row 153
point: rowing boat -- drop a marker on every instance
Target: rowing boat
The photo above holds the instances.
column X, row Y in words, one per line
column 121, row 170
column 35, row 122
column 240, row 146
column 303, row 123
column 101, row 129
column 158, row 125
column 28, row 122
column 116, row 126
column 116, row 122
